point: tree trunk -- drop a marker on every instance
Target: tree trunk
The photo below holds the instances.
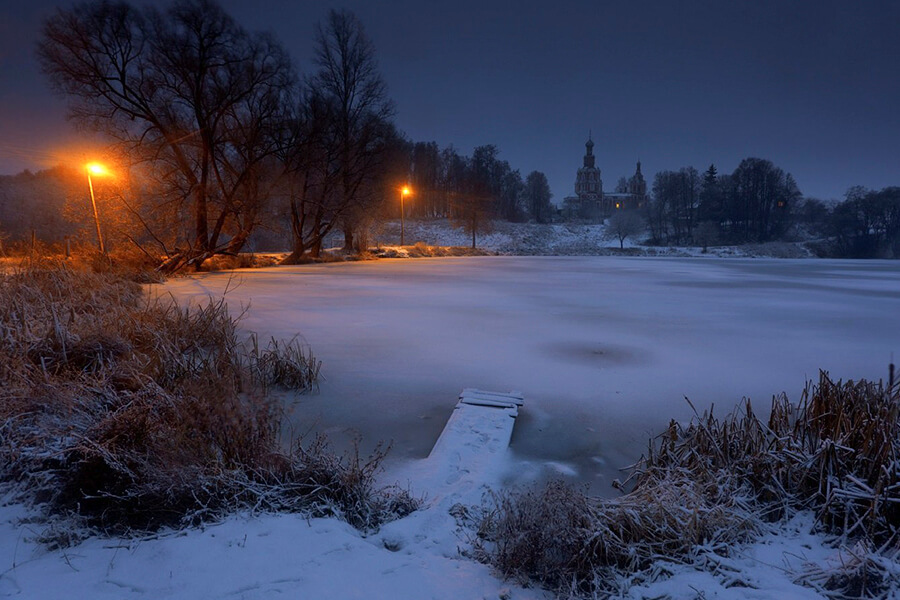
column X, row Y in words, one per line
column 348, row 238
column 296, row 254
column 315, row 249
column 361, row 244
column 237, row 242
column 200, row 210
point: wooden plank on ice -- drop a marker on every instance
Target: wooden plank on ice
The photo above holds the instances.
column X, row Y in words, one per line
column 471, row 452
column 515, row 397
column 481, row 425
column 491, row 403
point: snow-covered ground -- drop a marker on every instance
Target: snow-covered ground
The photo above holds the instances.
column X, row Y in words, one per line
column 557, row 239
column 603, row 349
column 286, row 556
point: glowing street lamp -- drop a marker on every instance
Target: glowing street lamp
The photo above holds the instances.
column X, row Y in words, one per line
column 404, row 192
column 96, row 169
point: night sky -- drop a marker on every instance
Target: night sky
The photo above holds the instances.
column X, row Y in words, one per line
column 812, row 86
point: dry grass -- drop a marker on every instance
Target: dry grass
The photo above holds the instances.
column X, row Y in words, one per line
column 422, row 250
column 703, row 487
column 286, row 364
column 837, row 452
column 244, row 260
column 133, row 414
column 126, row 263
column 860, row 571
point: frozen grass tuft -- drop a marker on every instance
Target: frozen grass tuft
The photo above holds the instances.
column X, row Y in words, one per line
column 706, row 486
column 857, row 572
column 288, row 364
column 133, row 414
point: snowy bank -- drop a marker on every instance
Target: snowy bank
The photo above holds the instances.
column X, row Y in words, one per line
column 562, row 239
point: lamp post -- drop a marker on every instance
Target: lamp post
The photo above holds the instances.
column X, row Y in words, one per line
column 96, row 169
column 404, row 192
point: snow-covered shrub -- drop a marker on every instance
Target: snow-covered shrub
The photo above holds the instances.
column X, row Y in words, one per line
column 319, row 482
column 537, row 534
column 567, row 541
column 134, row 414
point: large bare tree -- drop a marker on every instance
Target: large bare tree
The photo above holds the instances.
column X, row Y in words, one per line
column 348, row 115
column 308, row 153
column 187, row 89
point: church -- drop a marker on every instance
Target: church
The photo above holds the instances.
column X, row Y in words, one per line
column 590, row 203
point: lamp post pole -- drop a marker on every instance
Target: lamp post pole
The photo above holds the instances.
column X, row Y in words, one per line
column 404, row 192
column 96, row 216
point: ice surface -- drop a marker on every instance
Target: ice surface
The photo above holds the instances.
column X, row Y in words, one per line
column 603, row 348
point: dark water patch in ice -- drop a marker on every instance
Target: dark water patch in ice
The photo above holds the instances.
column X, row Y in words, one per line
column 599, row 354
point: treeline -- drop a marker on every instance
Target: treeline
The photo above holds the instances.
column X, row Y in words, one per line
column 752, row 204
column 760, row 202
column 865, row 225
column 223, row 139
column 39, row 203
column 441, row 176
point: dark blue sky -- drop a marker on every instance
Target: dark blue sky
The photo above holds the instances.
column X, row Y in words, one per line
column 812, row 86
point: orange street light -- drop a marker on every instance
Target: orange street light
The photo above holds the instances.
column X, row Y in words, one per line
column 96, row 169
column 404, row 192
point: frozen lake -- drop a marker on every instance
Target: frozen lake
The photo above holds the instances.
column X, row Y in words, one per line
column 604, row 348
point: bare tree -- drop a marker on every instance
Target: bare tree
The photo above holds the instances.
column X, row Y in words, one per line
column 537, row 196
column 472, row 213
column 187, row 89
column 759, row 201
column 349, row 82
column 706, row 233
column 624, row 224
column 673, row 211
column 425, row 177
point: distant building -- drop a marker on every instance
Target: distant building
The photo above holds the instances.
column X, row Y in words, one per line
column 590, row 203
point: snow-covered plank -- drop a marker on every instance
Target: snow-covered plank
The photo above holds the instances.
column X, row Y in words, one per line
column 516, row 397
column 471, row 450
column 474, row 430
column 492, row 403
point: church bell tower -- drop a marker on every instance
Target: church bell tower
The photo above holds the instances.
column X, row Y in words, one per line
column 588, row 185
